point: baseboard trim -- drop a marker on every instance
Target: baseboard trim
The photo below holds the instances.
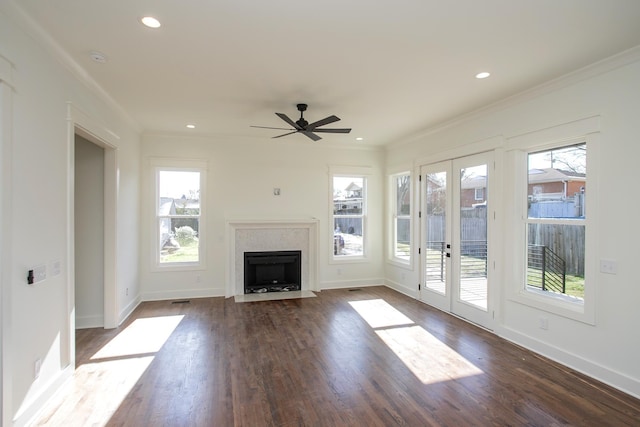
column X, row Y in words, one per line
column 342, row 284
column 32, row 408
column 183, row 293
column 86, row 322
column 126, row 312
column 594, row 370
column 412, row 293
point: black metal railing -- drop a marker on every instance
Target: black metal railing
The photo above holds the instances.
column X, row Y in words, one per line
column 546, row 270
column 473, row 260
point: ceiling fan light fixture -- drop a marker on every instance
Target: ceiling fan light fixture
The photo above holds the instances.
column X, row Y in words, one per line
column 150, row 22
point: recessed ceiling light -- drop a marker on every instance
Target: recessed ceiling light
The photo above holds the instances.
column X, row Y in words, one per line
column 150, row 21
column 191, row 126
column 359, row 138
column 482, row 75
column 98, row 57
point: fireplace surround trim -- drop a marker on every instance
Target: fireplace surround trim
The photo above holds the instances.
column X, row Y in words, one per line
column 310, row 251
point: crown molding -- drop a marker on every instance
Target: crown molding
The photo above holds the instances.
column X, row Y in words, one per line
column 40, row 36
column 603, row 66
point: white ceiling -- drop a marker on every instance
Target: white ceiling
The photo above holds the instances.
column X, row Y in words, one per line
column 387, row 69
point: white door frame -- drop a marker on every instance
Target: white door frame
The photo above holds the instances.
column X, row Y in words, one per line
column 449, row 302
column 81, row 124
column 6, row 105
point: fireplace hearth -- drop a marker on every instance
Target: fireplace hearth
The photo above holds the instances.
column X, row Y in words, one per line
column 272, row 271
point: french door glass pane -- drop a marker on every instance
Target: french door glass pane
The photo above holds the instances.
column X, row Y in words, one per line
column 436, row 230
column 473, row 236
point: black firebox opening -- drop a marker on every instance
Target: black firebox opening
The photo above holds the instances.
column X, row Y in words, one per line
column 276, row 271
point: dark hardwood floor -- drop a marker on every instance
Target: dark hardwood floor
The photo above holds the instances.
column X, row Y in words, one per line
column 369, row 357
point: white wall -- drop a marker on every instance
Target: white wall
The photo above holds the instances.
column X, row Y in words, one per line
column 240, row 181
column 89, row 235
column 41, row 316
column 610, row 349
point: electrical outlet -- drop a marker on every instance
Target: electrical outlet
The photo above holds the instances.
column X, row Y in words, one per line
column 126, row 292
column 544, row 323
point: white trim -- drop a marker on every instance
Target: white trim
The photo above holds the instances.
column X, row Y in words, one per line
column 604, row 66
column 615, row 379
column 158, row 164
column 585, row 130
column 30, row 409
column 349, row 172
column 33, row 29
column 392, row 214
column 355, row 283
column 470, row 149
column 82, row 124
column 6, row 132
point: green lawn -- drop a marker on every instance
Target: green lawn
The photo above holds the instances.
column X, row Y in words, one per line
column 184, row 254
column 574, row 285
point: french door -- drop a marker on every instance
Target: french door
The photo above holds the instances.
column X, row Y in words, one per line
column 454, row 250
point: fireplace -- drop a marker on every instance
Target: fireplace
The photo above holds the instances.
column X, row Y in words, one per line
column 272, row 271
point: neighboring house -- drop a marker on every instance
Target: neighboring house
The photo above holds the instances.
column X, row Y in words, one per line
column 554, row 184
column 170, row 206
column 473, row 192
column 351, row 202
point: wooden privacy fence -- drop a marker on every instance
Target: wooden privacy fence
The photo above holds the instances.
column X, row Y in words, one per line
column 567, row 241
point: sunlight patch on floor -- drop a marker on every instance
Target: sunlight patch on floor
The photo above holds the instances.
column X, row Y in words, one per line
column 102, row 384
column 143, row 336
column 380, row 314
column 426, row 356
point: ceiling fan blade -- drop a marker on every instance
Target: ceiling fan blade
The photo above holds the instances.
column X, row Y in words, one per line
column 333, row 130
column 285, row 134
column 325, row 121
column 268, row 127
column 288, row 120
column 311, row 135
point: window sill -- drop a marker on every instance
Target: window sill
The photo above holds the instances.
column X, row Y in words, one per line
column 561, row 305
column 177, row 267
column 348, row 259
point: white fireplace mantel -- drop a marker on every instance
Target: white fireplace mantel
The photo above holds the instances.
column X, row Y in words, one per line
column 249, row 235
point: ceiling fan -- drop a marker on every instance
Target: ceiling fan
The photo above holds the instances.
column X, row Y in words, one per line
column 307, row 129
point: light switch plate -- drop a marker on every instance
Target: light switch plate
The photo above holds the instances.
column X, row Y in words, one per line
column 608, row 266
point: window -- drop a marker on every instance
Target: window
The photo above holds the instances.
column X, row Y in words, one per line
column 178, row 213
column 479, row 194
column 555, row 224
column 349, row 210
column 401, row 206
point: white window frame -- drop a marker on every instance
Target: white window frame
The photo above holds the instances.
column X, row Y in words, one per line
column 349, row 172
column 179, row 165
column 517, row 158
column 395, row 216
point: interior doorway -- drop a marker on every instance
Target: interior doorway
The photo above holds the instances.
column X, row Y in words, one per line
column 89, row 233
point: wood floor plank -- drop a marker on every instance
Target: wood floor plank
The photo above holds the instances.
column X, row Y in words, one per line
column 323, row 361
